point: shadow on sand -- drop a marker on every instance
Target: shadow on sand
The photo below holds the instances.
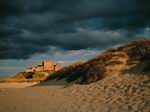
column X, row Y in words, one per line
column 55, row 80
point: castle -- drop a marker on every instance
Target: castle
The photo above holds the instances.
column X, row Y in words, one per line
column 46, row 65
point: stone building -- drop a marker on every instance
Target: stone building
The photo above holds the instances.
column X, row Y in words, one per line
column 57, row 67
column 46, row 65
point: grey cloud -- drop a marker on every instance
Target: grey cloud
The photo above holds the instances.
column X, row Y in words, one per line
column 28, row 27
column 29, row 43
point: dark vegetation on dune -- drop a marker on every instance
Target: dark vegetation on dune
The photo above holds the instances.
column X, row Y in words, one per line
column 137, row 49
column 98, row 67
column 29, row 75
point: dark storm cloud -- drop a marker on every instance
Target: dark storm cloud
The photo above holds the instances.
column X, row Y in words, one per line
column 32, row 26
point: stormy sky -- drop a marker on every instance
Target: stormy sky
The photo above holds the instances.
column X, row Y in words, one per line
column 66, row 30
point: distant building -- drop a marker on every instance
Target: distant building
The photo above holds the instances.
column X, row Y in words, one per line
column 46, row 65
column 57, row 67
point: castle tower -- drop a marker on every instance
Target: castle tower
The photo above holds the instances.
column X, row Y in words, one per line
column 57, row 67
column 47, row 65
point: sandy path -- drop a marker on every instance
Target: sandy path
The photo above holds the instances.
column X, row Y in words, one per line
column 124, row 94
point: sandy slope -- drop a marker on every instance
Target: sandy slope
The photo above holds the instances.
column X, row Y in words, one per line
column 113, row 94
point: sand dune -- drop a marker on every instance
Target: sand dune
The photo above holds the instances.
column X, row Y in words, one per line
column 127, row 93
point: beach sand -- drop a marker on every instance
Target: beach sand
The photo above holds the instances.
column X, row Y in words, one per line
column 113, row 94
